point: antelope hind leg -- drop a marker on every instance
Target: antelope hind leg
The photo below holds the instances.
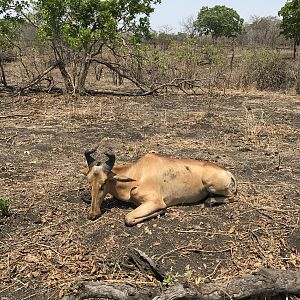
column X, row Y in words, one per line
column 217, row 200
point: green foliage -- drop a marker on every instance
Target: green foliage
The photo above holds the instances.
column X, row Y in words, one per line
column 215, row 55
column 9, row 30
column 160, row 60
column 188, row 51
column 218, row 21
column 5, row 206
column 290, row 25
column 82, row 23
column 184, row 64
column 78, row 30
column 266, row 69
column 179, row 60
column 13, row 8
column 7, row 33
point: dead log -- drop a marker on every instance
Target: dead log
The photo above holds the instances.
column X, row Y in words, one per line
column 265, row 282
column 90, row 290
column 175, row 83
column 145, row 264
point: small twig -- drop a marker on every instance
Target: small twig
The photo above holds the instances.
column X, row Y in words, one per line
column 49, row 247
column 29, row 207
column 16, row 115
column 191, row 250
column 278, row 167
column 28, row 297
column 169, row 252
column 208, row 251
column 209, row 276
column 259, row 244
column 7, row 288
column 264, row 214
column 189, row 231
column 8, row 264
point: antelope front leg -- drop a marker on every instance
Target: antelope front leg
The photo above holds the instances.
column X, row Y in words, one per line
column 145, row 211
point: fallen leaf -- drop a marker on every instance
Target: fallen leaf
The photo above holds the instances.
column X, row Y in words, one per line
column 147, row 230
column 61, row 293
column 31, row 258
column 231, row 230
column 48, row 254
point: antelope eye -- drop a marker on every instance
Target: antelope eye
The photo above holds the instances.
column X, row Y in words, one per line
column 102, row 187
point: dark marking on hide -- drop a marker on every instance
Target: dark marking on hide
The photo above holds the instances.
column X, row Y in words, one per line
column 188, row 168
column 170, row 175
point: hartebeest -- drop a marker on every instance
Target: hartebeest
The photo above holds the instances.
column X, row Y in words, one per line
column 155, row 182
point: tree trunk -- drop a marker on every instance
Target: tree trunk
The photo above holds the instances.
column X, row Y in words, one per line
column 83, row 76
column 298, row 78
column 230, row 65
column 2, row 73
column 66, row 77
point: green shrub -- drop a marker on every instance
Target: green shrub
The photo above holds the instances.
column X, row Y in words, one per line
column 266, row 69
column 5, row 206
column 170, row 278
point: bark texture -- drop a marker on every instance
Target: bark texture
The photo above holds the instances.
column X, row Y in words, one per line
column 265, row 282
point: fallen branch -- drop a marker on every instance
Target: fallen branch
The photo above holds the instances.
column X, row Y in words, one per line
column 265, row 282
column 176, row 83
column 90, row 289
column 114, row 93
column 38, row 78
column 117, row 68
column 145, row 91
column 145, row 264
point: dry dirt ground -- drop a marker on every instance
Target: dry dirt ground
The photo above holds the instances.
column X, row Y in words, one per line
column 48, row 242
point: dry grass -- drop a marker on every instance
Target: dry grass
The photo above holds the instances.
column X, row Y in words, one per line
column 48, row 241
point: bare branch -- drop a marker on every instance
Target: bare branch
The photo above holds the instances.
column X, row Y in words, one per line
column 117, row 68
column 38, row 78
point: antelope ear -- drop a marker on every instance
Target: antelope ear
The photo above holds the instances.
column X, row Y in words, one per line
column 121, row 179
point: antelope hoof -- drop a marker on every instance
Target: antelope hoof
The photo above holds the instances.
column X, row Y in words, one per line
column 93, row 216
column 129, row 221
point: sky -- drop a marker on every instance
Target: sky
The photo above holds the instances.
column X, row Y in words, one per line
column 173, row 12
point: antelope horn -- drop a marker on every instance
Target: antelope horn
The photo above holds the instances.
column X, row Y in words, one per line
column 109, row 164
column 90, row 160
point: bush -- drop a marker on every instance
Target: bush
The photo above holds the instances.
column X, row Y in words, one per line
column 266, row 69
column 5, row 206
